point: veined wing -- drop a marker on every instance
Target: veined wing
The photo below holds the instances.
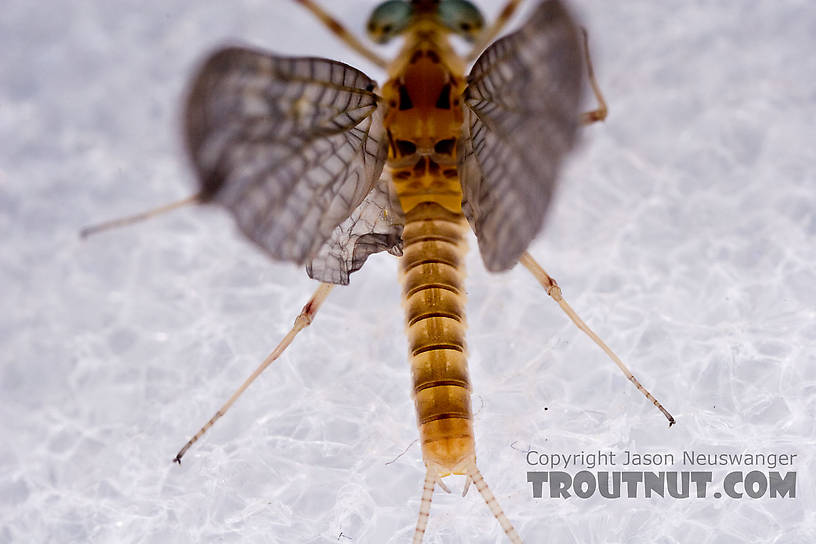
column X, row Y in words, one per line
column 374, row 226
column 290, row 146
column 521, row 115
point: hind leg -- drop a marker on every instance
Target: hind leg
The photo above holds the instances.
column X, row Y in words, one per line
column 555, row 292
column 303, row 320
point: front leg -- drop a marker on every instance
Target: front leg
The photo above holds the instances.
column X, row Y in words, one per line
column 491, row 32
column 337, row 28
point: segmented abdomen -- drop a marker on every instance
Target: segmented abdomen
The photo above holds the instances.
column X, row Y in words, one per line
column 432, row 278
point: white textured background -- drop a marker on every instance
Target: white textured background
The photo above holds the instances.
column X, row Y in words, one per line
column 683, row 232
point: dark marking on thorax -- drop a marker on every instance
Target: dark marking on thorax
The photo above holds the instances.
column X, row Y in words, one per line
column 423, row 122
column 425, row 83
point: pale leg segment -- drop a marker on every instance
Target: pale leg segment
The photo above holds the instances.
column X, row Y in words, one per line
column 136, row 218
column 337, row 28
column 599, row 113
column 303, row 320
column 493, row 30
column 555, row 292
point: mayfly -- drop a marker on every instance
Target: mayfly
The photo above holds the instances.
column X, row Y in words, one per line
column 322, row 167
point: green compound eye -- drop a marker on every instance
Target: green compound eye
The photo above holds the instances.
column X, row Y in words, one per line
column 389, row 19
column 461, row 17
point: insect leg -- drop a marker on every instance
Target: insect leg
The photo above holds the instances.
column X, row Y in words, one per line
column 337, row 28
column 135, row 218
column 424, row 506
column 555, row 292
column 493, row 504
column 493, row 30
column 303, row 320
column 599, row 113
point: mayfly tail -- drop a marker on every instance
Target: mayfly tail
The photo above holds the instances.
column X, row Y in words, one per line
column 424, row 507
column 138, row 217
column 493, row 504
column 303, row 320
column 555, row 292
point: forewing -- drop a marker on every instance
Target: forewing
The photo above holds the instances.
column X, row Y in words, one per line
column 521, row 115
column 375, row 225
column 290, row 146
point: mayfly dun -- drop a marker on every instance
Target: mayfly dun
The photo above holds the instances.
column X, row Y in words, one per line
column 322, row 167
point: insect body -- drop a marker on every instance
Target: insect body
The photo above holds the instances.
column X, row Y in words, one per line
column 427, row 143
column 296, row 149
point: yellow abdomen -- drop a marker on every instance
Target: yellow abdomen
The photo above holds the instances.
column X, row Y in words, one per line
column 432, row 277
column 423, row 122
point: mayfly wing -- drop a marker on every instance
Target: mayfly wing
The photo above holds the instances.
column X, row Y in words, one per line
column 291, row 147
column 374, row 226
column 521, row 115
